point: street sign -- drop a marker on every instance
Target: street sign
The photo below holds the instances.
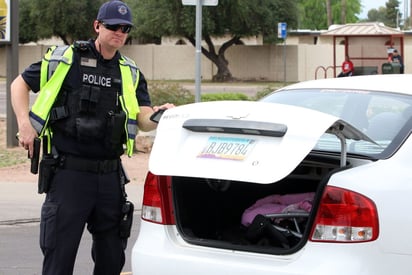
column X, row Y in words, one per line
column 204, row 2
column 282, row 30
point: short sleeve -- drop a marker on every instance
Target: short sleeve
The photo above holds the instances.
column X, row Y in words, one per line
column 31, row 76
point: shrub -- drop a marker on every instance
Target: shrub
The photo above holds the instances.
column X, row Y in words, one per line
column 224, row 96
column 262, row 93
column 162, row 92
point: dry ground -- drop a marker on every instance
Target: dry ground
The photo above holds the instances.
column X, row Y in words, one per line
column 15, row 166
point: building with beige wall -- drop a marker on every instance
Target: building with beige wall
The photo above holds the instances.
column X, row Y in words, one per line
column 302, row 57
column 260, row 62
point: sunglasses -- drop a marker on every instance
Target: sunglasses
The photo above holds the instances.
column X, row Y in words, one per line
column 123, row 28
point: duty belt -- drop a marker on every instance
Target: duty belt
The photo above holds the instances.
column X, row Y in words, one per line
column 89, row 165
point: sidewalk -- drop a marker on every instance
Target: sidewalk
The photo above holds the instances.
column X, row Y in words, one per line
column 20, row 202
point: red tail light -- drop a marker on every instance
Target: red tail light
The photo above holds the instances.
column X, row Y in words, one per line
column 345, row 216
column 157, row 200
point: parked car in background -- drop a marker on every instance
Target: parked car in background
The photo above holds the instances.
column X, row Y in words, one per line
column 312, row 179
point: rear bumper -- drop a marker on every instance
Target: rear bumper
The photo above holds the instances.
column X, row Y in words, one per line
column 160, row 250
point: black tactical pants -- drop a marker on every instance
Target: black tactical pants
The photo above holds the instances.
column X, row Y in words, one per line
column 77, row 199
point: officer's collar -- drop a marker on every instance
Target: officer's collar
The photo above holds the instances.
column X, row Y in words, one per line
column 116, row 57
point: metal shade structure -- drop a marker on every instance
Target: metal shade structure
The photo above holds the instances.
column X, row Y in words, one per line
column 368, row 31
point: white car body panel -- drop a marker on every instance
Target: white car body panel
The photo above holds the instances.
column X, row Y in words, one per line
column 387, row 181
column 162, row 248
column 391, row 192
column 170, row 157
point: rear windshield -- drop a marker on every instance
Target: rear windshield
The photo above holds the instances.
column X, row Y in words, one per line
column 384, row 117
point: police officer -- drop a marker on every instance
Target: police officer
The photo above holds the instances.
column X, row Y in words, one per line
column 90, row 103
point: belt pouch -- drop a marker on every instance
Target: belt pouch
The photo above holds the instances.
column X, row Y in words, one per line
column 85, row 98
column 47, row 169
column 94, row 99
column 126, row 220
column 115, row 128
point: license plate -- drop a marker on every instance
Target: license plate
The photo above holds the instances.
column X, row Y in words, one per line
column 227, row 148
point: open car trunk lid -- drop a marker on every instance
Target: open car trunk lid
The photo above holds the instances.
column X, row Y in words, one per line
column 240, row 140
column 248, row 176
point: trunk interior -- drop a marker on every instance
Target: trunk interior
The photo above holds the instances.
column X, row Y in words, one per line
column 209, row 211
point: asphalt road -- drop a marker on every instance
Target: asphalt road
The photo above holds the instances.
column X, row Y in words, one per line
column 20, row 252
column 19, row 230
column 3, row 99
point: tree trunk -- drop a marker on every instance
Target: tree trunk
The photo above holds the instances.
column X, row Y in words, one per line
column 343, row 12
column 223, row 72
column 329, row 12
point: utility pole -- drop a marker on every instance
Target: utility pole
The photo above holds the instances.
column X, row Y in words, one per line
column 12, row 50
column 198, row 52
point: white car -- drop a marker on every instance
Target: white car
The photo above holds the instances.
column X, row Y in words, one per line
column 313, row 179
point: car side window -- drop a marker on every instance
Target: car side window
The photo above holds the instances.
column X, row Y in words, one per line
column 386, row 117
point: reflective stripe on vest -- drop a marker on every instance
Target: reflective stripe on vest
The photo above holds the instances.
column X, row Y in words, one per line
column 59, row 60
column 49, row 89
column 54, row 56
column 130, row 79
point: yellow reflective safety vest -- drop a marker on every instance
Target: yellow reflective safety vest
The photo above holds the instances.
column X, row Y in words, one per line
column 54, row 68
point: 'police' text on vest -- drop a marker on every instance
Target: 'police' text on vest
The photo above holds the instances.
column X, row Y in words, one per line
column 97, row 80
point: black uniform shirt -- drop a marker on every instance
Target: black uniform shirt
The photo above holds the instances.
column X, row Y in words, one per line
column 68, row 145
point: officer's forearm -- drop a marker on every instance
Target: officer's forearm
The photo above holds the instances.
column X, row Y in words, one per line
column 20, row 100
column 143, row 119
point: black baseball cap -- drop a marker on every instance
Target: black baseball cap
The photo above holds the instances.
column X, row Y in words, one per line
column 115, row 12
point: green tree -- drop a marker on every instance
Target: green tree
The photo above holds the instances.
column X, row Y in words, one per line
column 346, row 11
column 234, row 19
column 316, row 14
column 377, row 15
column 313, row 14
column 392, row 13
column 27, row 32
column 69, row 20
